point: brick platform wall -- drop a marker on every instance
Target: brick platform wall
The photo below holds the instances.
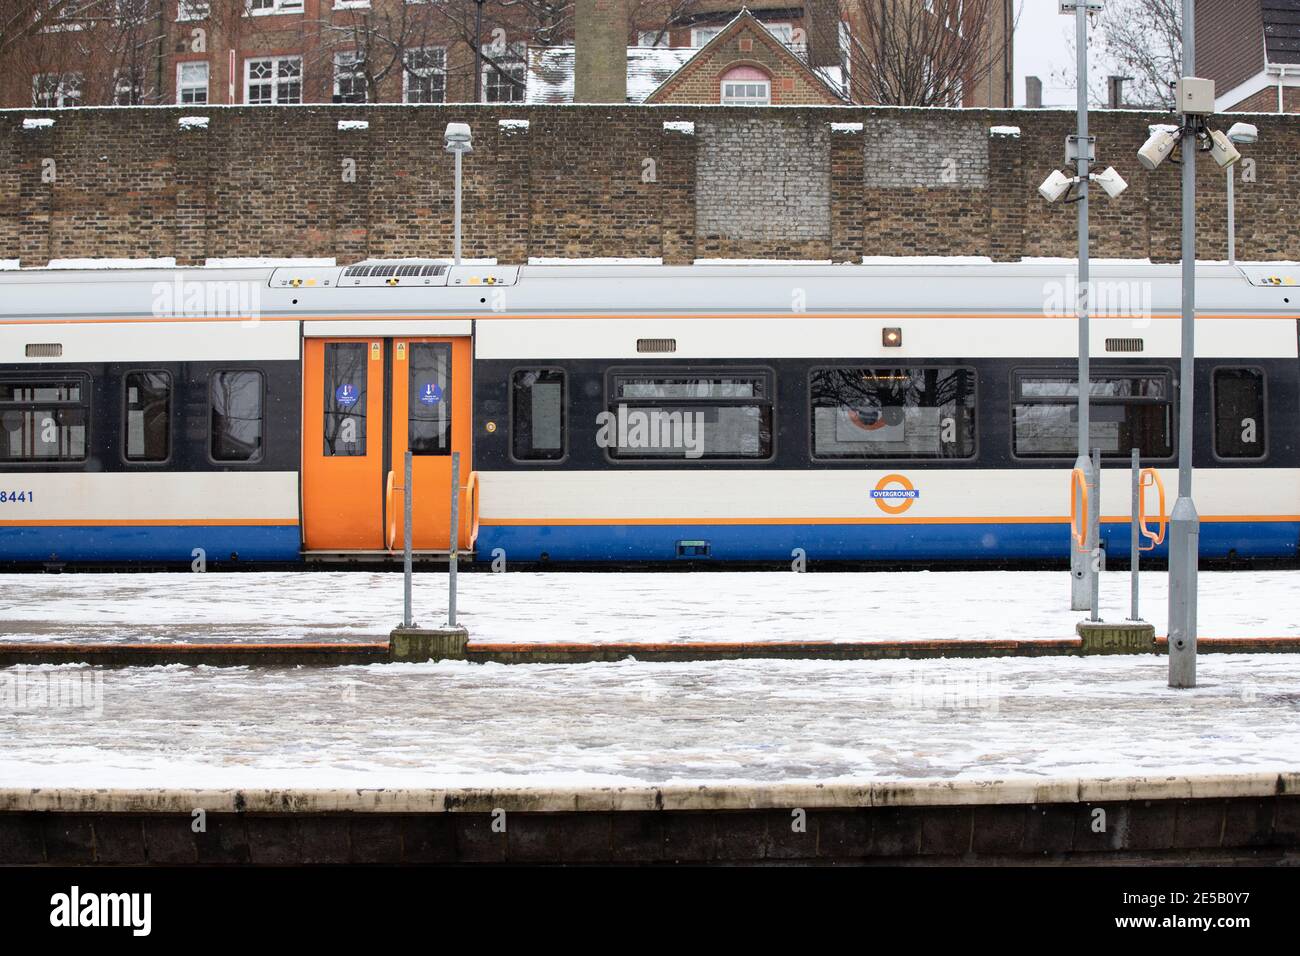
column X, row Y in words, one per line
column 606, row 181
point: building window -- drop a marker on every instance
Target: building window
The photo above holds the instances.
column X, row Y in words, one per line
column 652, row 38
column 236, row 399
column 192, row 10
column 147, row 401
column 537, row 414
column 782, row 31
column 687, row 416
column 192, row 82
column 424, row 80
column 267, row 7
column 52, row 90
column 1239, row 413
column 746, row 86
column 44, row 419
column 127, row 88
column 273, row 79
column 1126, row 410
column 503, row 73
column 702, row 35
column 349, row 78
column 893, row 412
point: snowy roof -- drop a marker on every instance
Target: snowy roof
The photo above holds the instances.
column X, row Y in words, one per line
column 550, row 71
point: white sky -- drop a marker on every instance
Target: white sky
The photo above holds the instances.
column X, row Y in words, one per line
column 1042, row 45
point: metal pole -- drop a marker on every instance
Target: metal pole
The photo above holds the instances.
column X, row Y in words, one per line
column 1081, row 569
column 1185, row 523
column 457, row 224
column 406, row 543
column 478, row 51
column 455, row 538
column 1094, row 500
column 1134, row 553
column 1232, row 216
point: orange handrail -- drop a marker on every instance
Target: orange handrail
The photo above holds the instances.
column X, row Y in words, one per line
column 1146, row 478
column 1079, row 528
column 471, row 495
column 391, row 499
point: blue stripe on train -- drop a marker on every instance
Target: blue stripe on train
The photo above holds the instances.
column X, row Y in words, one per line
column 920, row 542
column 149, row 542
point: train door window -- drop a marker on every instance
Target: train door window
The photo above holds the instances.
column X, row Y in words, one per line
column 236, row 400
column 893, row 412
column 44, row 420
column 346, row 366
column 1239, row 413
column 537, row 414
column 690, row 415
column 429, row 398
column 147, row 407
column 1126, row 410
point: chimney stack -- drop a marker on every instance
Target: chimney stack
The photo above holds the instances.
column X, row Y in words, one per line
column 1115, row 92
column 1033, row 92
column 600, row 34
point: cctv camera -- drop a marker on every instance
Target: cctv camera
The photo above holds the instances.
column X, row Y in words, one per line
column 1157, row 149
column 1221, row 148
column 1055, row 186
column 1245, row 133
column 1110, row 181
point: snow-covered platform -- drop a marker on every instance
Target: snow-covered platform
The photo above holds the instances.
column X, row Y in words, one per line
column 532, row 608
column 877, row 760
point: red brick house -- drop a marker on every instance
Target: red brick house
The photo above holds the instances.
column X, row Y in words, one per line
column 745, row 64
column 1251, row 49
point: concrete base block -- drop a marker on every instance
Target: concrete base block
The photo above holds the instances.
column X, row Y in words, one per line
column 427, row 644
column 1118, row 637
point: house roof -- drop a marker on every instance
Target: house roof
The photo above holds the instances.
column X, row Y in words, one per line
column 1282, row 30
column 551, row 69
column 743, row 21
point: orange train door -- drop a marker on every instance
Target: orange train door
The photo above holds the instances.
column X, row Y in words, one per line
column 365, row 401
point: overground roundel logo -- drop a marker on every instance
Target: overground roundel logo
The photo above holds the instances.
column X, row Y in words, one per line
column 892, row 500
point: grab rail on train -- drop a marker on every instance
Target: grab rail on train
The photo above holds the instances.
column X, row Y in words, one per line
column 1079, row 508
column 1146, row 479
column 469, row 520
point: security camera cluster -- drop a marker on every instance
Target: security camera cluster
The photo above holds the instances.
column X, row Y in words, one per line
column 1196, row 99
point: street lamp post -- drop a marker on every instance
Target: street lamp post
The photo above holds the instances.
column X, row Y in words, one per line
column 459, row 141
column 1244, row 134
column 1184, row 522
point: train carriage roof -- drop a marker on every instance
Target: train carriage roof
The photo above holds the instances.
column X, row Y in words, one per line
column 431, row 287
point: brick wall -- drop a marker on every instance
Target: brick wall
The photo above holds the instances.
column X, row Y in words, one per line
column 606, row 181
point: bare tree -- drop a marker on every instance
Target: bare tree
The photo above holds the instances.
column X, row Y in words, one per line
column 917, row 52
column 1140, row 40
column 1144, row 40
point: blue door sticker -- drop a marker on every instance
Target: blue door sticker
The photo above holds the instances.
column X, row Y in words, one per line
column 430, row 393
column 346, row 395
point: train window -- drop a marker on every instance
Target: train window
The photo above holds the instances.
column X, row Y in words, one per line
column 43, row 420
column 147, row 407
column 236, row 399
column 429, row 398
column 1239, row 413
column 1126, row 410
column 690, row 416
column 893, row 412
column 537, row 414
column 346, row 366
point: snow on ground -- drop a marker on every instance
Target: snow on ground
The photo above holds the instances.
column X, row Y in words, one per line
column 456, row 724
column 524, row 606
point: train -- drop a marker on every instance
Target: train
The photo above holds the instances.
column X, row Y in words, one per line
column 629, row 414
